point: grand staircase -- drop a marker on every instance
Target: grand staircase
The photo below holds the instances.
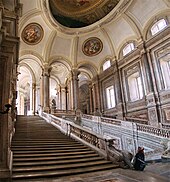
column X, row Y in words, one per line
column 42, row 151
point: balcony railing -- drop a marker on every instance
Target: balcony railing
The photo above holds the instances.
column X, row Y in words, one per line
column 139, row 127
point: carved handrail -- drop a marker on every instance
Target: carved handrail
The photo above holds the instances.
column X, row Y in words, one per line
column 85, row 135
column 56, row 121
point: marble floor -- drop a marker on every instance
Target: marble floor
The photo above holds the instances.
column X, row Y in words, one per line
column 155, row 172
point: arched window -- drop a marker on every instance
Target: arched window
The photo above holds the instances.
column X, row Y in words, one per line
column 135, row 87
column 106, row 65
column 128, row 48
column 110, row 96
column 158, row 26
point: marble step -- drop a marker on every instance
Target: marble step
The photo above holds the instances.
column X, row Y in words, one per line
column 56, row 158
column 43, row 142
column 46, row 145
column 59, row 173
column 41, row 150
column 48, row 150
column 60, row 166
column 44, row 149
column 49, row 153
column 59, row 161
column 53, row 154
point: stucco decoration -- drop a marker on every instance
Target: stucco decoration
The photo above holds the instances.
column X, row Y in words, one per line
column 92, row 46
column 32, row 34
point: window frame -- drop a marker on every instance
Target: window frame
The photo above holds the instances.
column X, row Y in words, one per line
column 133, row 82
column 156, row 26
column 130, row 46
column 110, row 97
column 108, row 60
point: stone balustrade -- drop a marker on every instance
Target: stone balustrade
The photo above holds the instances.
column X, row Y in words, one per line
column 139, row 127
column 152, row 130
column 86, row 136
column 97, row 131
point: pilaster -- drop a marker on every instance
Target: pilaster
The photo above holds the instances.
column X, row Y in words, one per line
column 152, row 92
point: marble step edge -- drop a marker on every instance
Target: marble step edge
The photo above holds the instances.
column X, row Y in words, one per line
column 63, row 172
column 68, row 157
column 60, row 166
column 55, row 162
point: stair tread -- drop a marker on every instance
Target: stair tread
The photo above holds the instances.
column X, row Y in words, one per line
column 45, row 146
column 37, row 155
column 49, row 150
column 55, row 154
column 63, row 172
column 59, row 166
column 59, row 152
column 54, row 158
column 58, row 161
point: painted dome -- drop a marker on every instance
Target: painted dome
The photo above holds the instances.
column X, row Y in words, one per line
column 80, row 13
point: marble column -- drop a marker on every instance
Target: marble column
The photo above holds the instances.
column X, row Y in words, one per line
column 91, row 98
column 59, row 97
column 94, row 97
column 37, row 99
column 41, row 93
column 75, row 90
column 32, row 99
column 96, row 94
column 46, row 86
column 63, row 97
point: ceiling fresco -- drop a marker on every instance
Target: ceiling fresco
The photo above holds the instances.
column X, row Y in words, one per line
column 80, row 13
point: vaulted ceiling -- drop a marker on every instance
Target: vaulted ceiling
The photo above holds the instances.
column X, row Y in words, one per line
column 47, row 41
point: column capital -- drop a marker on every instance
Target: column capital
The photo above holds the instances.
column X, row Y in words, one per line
column 46, row 70
column 63, row 87
column 75, row 73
